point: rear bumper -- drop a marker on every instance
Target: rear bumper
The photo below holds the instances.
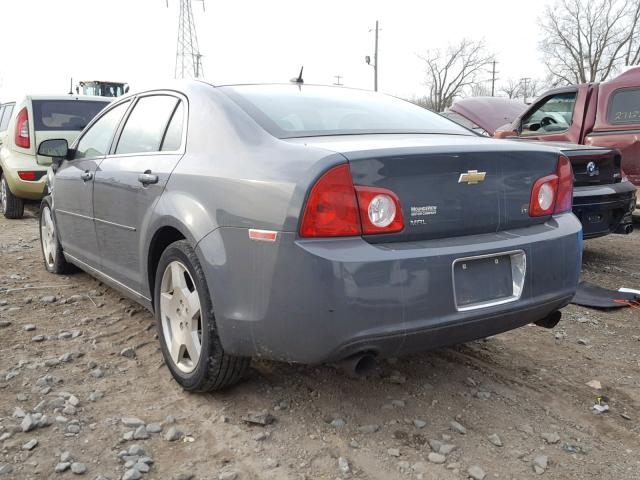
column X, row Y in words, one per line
column 602, row 209
column 28, row 190
column 312, row 301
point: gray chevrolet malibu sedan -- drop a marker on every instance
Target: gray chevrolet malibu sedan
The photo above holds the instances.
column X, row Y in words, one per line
column 309, row 224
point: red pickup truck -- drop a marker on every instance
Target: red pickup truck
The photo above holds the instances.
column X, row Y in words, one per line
column 598, row 114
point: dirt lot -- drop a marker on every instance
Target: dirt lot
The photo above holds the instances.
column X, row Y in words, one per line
column 525, row 389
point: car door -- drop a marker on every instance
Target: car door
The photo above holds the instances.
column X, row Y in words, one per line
column 73, row 187
column 131, row 179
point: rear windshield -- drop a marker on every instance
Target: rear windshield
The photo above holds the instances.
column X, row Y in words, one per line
column 624, row 107
column 71, row 115
column 288, row 111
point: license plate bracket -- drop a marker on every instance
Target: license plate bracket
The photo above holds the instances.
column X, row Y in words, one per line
column 488, row 280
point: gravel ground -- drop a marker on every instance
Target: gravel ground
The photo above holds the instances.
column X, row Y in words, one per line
column 84, row 391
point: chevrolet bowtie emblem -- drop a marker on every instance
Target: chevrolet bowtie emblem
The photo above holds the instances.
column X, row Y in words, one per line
column 472, row 177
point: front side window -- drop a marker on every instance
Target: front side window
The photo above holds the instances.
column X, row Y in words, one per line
column 624, row 107
column 554, row 115
column 145, row 128
column 96, row 141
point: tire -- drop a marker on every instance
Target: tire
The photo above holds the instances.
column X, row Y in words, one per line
column 180, row 287
column 52, row 255
column 11, row 206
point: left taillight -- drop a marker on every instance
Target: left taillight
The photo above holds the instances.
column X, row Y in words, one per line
column 553, row 193
column 332, row 208
column 337, row 208
column 22, row 137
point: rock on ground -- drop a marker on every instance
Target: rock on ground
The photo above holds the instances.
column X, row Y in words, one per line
column 476, row 473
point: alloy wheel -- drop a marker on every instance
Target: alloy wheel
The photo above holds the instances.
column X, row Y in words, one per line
column 48, row 236
column 181, row 316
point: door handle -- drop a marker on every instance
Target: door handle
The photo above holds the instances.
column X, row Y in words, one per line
column 147, row 178
column 86, row 175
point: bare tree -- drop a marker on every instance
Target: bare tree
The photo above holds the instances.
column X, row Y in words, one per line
column 632, row 57
column 512, row 89
column 587, row 40
column 480, row 89
column 452, row 70
column 423, row 101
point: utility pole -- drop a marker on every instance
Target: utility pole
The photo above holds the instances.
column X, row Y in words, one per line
column 375, row 60
column 337, row 77
column 525, row 80
column 493, row 79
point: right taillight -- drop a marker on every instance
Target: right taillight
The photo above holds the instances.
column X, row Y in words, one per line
column 22, row 138
column 564, row 197
column 553, row 193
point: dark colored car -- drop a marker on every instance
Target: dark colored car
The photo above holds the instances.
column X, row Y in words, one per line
column 603, row 198
column 309, row 224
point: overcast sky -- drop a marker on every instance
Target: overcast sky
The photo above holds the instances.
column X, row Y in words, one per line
column 45, row 42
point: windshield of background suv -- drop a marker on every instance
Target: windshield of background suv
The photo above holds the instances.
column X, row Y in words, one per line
column 70, row 115
column 288, row 111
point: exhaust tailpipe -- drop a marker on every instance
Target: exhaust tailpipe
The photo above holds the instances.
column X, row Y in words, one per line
column 625, row 229
column 358, row 365
column 550, row 320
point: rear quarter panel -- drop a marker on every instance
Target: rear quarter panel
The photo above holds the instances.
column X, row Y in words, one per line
column 234, row 174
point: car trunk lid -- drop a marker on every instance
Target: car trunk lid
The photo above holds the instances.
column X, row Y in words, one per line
column 448, row 185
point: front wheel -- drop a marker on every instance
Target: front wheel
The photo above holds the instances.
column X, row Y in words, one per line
column 186, row 324
column 54, row 260
column 10, row 205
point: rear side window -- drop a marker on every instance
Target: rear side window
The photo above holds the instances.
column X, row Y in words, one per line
column 145, row 128
column 624, row 107
column 173, row 137
column 5, row 116
column 96, row 140
column 64, row 115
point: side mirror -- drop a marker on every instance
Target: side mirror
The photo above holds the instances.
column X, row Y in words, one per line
column 55, row 147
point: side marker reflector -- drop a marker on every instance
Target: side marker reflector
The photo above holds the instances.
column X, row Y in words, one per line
column 263, row 235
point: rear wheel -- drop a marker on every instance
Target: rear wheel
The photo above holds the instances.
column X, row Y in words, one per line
column 186, row 324
column 54, row 260
column 10, row 205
